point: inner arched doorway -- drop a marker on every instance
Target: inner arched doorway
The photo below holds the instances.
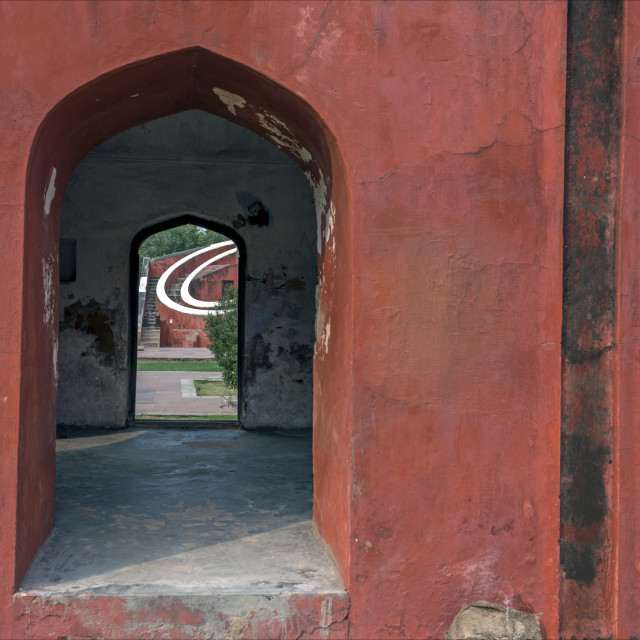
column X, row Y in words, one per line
column 187, row 325
column 231, row 180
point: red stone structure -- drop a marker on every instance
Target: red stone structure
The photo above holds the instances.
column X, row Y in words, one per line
column 476, row 173
column 181, row 328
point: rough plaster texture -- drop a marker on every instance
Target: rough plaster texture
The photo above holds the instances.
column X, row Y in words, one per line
column 439, row 127
column 221, row 616
column 590, row 358
column 625, row 484
column 200, row 164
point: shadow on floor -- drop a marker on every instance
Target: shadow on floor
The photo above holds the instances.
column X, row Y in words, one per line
column 182, row 511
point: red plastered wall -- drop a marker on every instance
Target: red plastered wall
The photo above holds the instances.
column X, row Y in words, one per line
column 627, row 451
column 179, row 329
column 438, row 127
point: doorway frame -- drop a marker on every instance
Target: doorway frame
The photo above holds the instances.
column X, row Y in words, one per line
column 132, row 351
column 104, row 105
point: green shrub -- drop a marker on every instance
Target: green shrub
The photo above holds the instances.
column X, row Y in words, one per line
column 222, row 330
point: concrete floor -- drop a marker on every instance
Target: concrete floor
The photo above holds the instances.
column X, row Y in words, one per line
column 183, row 512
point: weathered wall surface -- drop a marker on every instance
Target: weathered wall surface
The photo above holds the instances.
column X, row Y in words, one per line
column 625, row 488
column 437, row 129
column 456, row 446
column 589, row 415
column 195, row 163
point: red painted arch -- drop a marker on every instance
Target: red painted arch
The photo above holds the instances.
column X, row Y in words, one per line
column 111, row 103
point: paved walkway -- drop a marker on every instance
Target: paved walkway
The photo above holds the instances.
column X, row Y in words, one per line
column 171, row 353
column 173, row 393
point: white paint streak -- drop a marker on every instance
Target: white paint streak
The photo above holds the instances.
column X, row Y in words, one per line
column 320, row 199
column 324, row 341
column 51, row 192
column 47, row 285
column 231, row 100
column 328, row 229
column 280, row 133
column 55, row 360
column 184, row 290
column 49, row 308
column 162, row 283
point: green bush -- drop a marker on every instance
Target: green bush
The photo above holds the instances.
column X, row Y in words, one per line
column 222, row 330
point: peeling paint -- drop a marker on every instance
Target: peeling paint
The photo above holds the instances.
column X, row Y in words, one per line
column 324, row 340
column 50, row 193
column 48, row 290
column 55, row 360
column 328, row 229
column 231, row 100
column 319, row 188
column 274, row 126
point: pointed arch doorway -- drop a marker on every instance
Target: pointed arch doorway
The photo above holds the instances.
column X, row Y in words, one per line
column 74, row 127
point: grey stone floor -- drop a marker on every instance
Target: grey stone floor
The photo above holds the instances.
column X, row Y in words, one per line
column 171, row 512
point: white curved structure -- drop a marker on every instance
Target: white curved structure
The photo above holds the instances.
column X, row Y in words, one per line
column 204, row 308
column 184, row 290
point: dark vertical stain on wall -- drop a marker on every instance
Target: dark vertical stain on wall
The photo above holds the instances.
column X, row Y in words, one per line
column 592, row 150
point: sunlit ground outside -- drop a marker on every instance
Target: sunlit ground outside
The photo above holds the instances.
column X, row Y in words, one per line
column 187, row 326
column 167, row 386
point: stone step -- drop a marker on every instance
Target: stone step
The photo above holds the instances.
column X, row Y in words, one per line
column 211, row 612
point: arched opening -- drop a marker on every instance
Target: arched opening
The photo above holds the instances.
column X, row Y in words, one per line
column 269, row 202
column 232, row 181
column 185, row 272
column 189, row 79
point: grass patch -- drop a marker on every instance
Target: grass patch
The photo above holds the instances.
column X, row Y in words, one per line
column 225, row 416
column 151, row 364
column 213, row 388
